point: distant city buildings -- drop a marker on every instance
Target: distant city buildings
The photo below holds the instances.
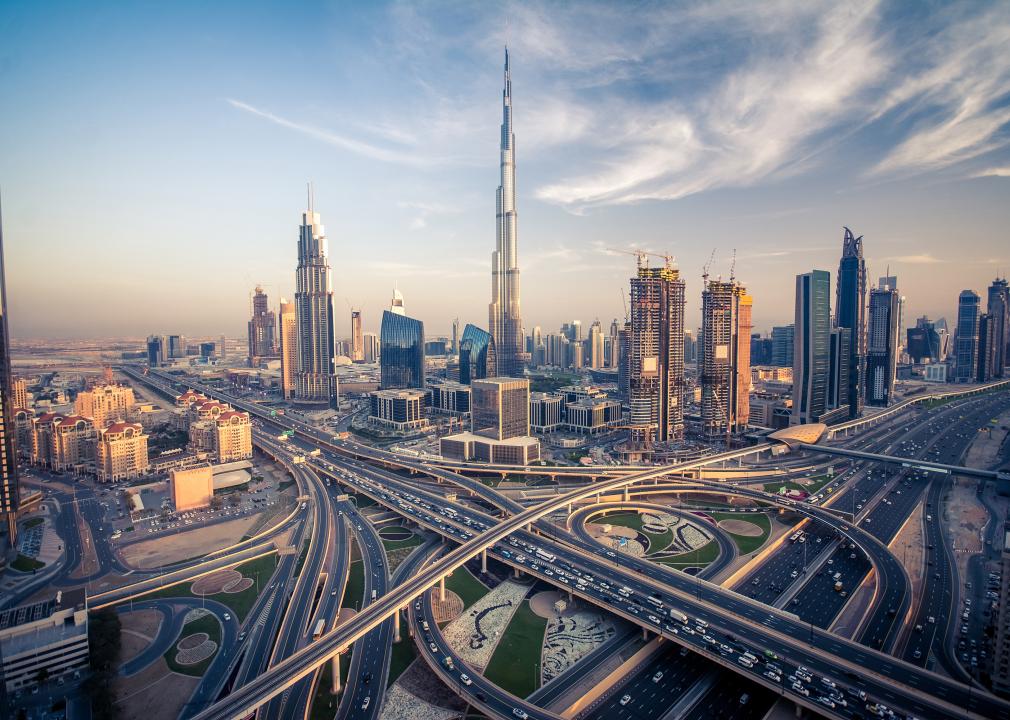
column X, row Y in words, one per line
column 783, row 340
column 398, row 409
column 926, row 343
column 371, row 347
column 725, row 362
column 850, row 312
column 477, row 356
column 288, row 348
column 19, row 393
column 882, row 344
column 262, row 329
column 998, row 308
column 315, row 381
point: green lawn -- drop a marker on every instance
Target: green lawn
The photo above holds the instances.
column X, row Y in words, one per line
column 402, row 656
column 354, row 592
column 209, row 624
column 817, row 482
column 397, row 544
column 774, row 487
column 463, row 583
column 635, row 522
column 746, row 544
column 515, row 664
column 695, row 558
column 26, row 564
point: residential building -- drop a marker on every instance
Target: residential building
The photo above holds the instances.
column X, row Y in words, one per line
column 315, row 381
column 262, row 329
column 45, row 639
column 783, row 341
column 477, row 356
column 122, row 452
column 105, row 403
column 725, row 363
column 233, row 436
column 192, row 487
column 398, row 409
column 402, row 352
column 850, row 312
column 357, row 338
column 966, row 342
column 882, row 346
column 19, row 393
column 289, row 348
column 656, row 350
column 811, row 347
column 504, row 318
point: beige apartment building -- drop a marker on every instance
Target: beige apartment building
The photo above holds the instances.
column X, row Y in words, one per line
column 234, row 436
column 105, row 404
column 122, row 452
column 19, row 393
column 289, row 347
column 63, row 442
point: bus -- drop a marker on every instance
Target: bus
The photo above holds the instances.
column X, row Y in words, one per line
column 546, row 556
column 318, row 631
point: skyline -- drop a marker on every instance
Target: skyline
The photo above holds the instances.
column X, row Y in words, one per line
column 224, row 191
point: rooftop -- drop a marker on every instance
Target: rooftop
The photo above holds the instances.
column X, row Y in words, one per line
column 68, row 599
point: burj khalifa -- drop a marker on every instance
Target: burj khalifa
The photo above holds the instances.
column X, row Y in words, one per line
column 505, row 321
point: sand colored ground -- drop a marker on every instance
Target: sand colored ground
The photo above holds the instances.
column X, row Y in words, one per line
column 155, row 693
column 741, row 527
column 596, row 530
column 448, row 609
column 192, row 543
column 89, row 560
column 239, row 585
column 542, row 603
column 140, row 627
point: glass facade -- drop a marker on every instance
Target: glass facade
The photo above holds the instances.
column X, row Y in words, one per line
column 477, row 358
column 500, row 408
column 401, row 352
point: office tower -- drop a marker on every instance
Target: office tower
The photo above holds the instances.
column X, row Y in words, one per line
column 850, row 312
column 455, row 336
column 207, row 350
column 882, row 345
column 987, row 351
column 371, row 341
column 946, row 341
column 999, row 308
column 288, row 347
column 315, row 382
column 760, row 349
column 690, row 347
column 811, row 347
column 105, row 403
column 262, row 324
column 596, row 345
column 656, row 368
column 966, row 342
column 223, row 349
column 401, row 357
column 396, row 304
column 10, row 496
column 614, row 346
column 725, row 357
column 357, row 341
column 500, row 407
column 838, row 368
column 783, row 340
column 477, row 356
column 572, row 330
column 155, row 350
column 576, row 355
column 504, row 318
column 176, row 346
column 923, row 342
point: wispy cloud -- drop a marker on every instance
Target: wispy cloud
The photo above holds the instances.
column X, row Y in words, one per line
column 921, row 259
column 993, row 172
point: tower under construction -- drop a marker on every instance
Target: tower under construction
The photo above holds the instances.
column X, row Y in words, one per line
column 725, row 358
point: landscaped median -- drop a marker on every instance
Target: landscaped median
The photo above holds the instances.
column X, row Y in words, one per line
column 515, row 664
column 197, row 645
column 748, row 530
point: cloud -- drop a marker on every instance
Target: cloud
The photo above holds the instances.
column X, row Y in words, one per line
column 993, row 172
column 424, row 210
column 923, row 259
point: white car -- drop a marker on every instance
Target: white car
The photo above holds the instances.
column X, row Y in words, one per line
column 625, row 700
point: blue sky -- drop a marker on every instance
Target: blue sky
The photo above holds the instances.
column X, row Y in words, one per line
column 153, row 156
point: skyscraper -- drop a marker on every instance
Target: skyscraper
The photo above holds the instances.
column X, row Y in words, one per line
column 812, row 347
column 725, row 362
column 176, row 346
column 999, row 308
column 10, row 496
column 289, row 347
column 396, row 304
column 656, row 351
column 262, row 328
column 455, row 336
column 155, row 350
column 505, row 321
column 924, row 342
column 401, row 360
column 987, row 350
column 596, row 345
column 882, row 345
column 357, row 341
column 315, row 382
column 371, row 341
column 850, row 312
column 783, row 340
column 966, row 342
column 477, row 356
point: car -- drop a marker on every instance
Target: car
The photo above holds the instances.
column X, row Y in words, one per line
column 366, row 678
column 241, row 636
column 520, row 713
column 365, row 703
column 826, row 701
column 433, row 647
column 465, row 679
column 227, row 616
column 625, row 700
column 657, row 677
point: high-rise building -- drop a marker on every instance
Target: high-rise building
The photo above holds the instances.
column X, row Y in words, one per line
column 500, row 407
column 401, row 360
column 624, row 359
column 882, row 345
column 850, row 312
column 966, row 342
column 122, row 452
column 223, row 348
column 987, row 350
column 455, row 336
column 156, row 350
column 614, row 346
column 262, row 329
column 477, row 357
column 176, row 346
column 396, row 304
column 812, row 347
column 289, row 348
column 315, row 381
column 760, row 349
column 838, row 369
column 923, row 342
column 999, row 308
column 233, row 436
column 505, row 320
column 371, row 347
column 19, row 393
column 783, row 341
column 1001, row 618
column 105, row 403
column 656, row 347
column 596, row 345
column 10, row 497
column 725, row 361
column 357, row 341
column 207, row 350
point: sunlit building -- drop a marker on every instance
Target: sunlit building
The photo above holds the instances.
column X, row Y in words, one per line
column 233, row 436
column 402, row 352
column 262, row 329
column 105, row 403
column 122, row 452
column 289, row 348
column 725, row 358
column 850, row 312
column 315, row 381
column 477, row 358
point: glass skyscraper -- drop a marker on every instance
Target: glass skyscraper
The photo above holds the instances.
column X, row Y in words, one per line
column 477, row 357
column 812, row 349
column 401, row 352
column 850, row 312
column 882, row 346
column 966, row 344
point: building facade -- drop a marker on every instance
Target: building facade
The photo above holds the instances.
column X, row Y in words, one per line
column 191, row 488
column 105, row 403
column 966, row 342
column 315, row 381
column 398, row 409
column 44, row 639
column 999, row 308
column 725, row 365
column 233, row 436
column 122, row 452
column 882, row 346
column 357, row 339
column 783, row 340
column 262, row 329
column 547, row 412
column 477, row 356
column 592, row 415
column 289, row 348
column 451, row 398
column 401, row 359
column 850, row 310
column 10, row 493
column 811, row 347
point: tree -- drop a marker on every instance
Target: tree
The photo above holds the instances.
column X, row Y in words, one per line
column 216, row 503
column 42, row 676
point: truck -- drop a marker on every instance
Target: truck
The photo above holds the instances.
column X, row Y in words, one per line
column 315, row 452
column 546, row 556
column 678, row 616
column 318, row 631
column 838, row 586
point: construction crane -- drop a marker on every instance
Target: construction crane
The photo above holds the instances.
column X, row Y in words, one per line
column 732, row 268
column 643, row 256
column 624, row 301
column 706, row 266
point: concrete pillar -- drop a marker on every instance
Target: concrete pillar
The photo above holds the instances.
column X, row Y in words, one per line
column 396, row 626
column 441, row 589
column 410, row 629
column 645, row 633
column 569, row 508
column 483, row 561
column 517, row 573
column 597, row 498
column 627, row 494
column 799, row 710
column 335, row 669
